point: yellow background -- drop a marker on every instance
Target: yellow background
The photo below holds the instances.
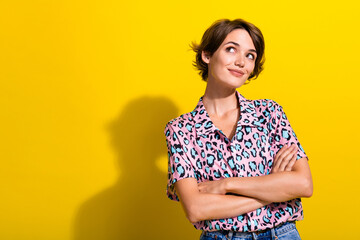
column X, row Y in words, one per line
column 86, row 88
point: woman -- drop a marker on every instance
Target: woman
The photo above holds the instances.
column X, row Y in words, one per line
column 236, row 164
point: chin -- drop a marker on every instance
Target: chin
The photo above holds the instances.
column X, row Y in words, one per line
column 237, row 83
column 231, row 81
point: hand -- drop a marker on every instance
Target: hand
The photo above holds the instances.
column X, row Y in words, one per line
column 215, row 187
column 285, row 159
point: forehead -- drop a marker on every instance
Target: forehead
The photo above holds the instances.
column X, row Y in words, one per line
column 241, row 37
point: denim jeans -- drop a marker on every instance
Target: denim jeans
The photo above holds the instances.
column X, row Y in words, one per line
column 286, row 231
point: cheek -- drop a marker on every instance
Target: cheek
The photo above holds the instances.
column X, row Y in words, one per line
column 218, row 64
column 229, row 60
column 251, row 67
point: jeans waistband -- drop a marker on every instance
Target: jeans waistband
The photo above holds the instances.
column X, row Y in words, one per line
column 278, row 230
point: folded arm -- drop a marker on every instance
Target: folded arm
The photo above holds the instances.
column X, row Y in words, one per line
column 200, row 206
column 289, row 179
column 275, row 187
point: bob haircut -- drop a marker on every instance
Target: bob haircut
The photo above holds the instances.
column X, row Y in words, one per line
column 216, row 34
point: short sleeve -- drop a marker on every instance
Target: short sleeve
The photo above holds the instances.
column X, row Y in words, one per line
column 179, row 166
column 284, row 134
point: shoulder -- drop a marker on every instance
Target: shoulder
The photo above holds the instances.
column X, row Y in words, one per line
column 266, row 107
column 266, row 104
column 179, row 124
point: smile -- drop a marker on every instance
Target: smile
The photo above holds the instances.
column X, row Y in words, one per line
column 236, row 73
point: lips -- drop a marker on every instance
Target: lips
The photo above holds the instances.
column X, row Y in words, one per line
column 236, row 73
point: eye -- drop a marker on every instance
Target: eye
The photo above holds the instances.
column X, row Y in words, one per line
column 230, row 49
column 251, row 56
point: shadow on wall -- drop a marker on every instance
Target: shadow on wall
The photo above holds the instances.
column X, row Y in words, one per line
column 136, row 206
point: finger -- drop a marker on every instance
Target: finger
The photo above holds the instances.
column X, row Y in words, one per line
column 292, row 160
column 283, row 164
column 291, row 163
column 286, row 158
column 283, row 158
column 278, row 157
column 278, row 154
column 287, row 154
column 282, row 154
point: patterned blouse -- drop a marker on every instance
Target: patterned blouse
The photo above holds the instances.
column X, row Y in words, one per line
column 197, row 149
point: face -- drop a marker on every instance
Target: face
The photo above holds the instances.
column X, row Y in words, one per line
column 234, row 60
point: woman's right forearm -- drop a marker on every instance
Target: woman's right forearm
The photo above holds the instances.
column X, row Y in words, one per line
column 200, row 206
column 208, row 206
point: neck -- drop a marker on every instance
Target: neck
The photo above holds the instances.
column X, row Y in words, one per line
column 219, row 101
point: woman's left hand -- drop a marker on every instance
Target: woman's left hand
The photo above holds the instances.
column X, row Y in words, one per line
column 215, row 187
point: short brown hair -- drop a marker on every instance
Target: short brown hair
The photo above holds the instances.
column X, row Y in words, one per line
column 216, row 34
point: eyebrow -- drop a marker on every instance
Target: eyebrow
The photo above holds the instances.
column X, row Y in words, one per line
column 236, row 44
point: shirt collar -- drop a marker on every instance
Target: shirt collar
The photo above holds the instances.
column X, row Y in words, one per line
column 204, row 125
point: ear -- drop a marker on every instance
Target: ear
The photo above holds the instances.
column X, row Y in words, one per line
column 205, row 57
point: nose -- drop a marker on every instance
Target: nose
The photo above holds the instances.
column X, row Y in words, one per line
column 240, row 61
